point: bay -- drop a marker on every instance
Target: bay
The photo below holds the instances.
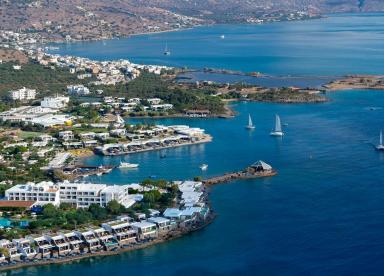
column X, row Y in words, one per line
column 323, row 214
column 336, row 45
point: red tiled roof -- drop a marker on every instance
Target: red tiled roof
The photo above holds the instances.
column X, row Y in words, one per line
column 17, row 204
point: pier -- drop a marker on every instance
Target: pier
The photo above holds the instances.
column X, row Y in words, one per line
column 256, row 170
column 74, row 172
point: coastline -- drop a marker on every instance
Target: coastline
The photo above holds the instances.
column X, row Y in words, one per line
column 69, row 259
column 203, row 140
column 354, row 82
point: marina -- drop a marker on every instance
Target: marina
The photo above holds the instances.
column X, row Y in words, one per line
column 78, row 171
column 150, row 145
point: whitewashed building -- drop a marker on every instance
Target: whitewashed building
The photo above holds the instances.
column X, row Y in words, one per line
column 78, row 90
column 55, row 102
column 22, row 94
column 42, row 193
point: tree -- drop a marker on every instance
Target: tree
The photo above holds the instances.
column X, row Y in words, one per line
column 114, row 207
column 50, row 211
column 65, row 206
column 98, row 212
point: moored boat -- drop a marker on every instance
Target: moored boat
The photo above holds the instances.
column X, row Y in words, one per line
column 125, row 165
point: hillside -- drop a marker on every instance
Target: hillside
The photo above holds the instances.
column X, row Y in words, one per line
column 86, row 19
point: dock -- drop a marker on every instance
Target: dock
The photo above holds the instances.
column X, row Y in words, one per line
column 257, row 170
column 74, row 172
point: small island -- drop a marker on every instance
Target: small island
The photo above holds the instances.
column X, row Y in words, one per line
column 357, row 82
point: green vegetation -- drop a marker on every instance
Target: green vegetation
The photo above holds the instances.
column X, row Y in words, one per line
column 153, row 86
column 154, row 199
column 285, row 95
column 68, row 217
column 45, row 79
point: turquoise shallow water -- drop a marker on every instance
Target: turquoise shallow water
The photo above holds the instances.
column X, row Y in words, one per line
column 322, row 214
column 336, row 45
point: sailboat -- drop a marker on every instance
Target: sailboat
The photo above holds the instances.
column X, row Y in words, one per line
column 277, row 131
column 380, row 146
column 167, row 52
column 250, row 125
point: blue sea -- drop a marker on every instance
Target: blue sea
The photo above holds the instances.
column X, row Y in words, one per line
column 323, row 214
column 336, row 45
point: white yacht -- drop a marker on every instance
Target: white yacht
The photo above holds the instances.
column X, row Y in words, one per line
column 125, row 165
column 250, row 125
column 222, row 36
column 380, row 146
column 203, row 167
column 277, row 131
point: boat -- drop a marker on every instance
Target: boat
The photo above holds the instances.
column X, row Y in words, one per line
column 167, row 52
column 222, row 36
column 203, row 167
column 277, row 131
column 125, row 165
column 380, row 146
column 250, row 125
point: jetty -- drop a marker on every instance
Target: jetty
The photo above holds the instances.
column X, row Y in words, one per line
column 256, row 170
column 77, row 171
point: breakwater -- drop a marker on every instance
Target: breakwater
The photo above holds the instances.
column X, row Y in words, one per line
column 256, row 170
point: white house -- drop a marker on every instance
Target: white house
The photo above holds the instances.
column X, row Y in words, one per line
column 61, row 245
column 107, row 239
column 13, row 253
column 58, row 102
column 163, row 224
column 66, row 135
column 153, row 101
column 22, row 94
column 122, row 230
column 24, row 247
column 78, row 90
column 145, row 229
column 43, row 244
column 74, row 240
column 90, row 239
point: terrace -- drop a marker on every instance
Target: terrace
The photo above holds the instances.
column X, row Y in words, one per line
column 146, row 230
column 122, row 231
column 74, row 241
column 61, row 244
column 44, row 245
column 14, row 254
column 106, row 238
column 24, row 247
column 91, row 240
column 163, row 224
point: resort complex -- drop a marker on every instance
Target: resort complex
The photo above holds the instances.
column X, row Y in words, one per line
column 189, row 211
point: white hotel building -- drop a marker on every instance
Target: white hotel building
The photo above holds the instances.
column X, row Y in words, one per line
column 82, row 195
